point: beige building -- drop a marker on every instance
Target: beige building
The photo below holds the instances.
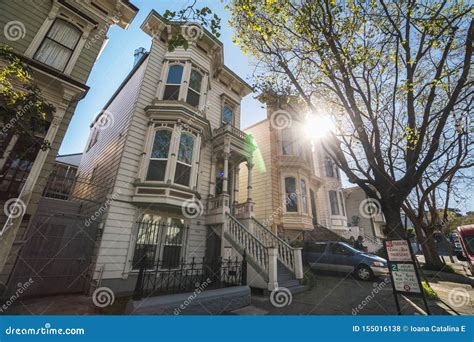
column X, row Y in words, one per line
column 60, row 40
column 297, row 187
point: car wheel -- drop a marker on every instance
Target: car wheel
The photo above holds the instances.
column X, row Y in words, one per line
column 364, row 273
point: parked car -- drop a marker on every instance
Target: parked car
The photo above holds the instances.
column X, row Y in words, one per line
column 466, row 237
column 340, row 257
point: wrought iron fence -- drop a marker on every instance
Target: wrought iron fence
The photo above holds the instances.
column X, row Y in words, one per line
column 188, row 277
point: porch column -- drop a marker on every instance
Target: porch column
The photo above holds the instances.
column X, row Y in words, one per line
column 226, row 173
column 249, row 184
column 212, row 183
column 236, row 184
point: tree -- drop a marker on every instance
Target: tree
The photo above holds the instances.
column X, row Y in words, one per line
column 390, row 74
column 23, row 109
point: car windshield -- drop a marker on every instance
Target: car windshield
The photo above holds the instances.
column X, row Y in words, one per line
column 350, row 248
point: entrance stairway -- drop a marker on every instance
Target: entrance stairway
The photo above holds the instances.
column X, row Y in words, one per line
column 276, row 263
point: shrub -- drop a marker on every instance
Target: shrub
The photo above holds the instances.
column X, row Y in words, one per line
column 428, row 290
column 309, row 278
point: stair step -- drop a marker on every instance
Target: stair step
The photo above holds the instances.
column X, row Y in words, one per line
column 285, row 277
column 297, row 289
column 289, row 283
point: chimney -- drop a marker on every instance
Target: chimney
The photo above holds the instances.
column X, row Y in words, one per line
column 138, row 54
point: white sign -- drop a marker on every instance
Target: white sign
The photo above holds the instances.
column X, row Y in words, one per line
column 404, row 278
column 398, row 250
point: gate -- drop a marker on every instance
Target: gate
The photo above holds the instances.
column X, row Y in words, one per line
column 57, row 252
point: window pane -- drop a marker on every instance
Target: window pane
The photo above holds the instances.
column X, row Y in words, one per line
column 53, row 54
column 173, row 243
column 342, row 204
column 227, row 115
column 287, row 143
column 186, row 144
column 64, row 33
column 171, row 92
column 303, row 196
column 156, row 170
column 161, row 144
column 195, row 81
column 182, row 174
column 147, row 242
column 291, row 199
column 334, row 203
column 329, row 167
column 175, row 74
column 192, row 98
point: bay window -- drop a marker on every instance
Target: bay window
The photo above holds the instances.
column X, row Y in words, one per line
column 58, row 45
column 173, row 82
column 194, row 89
column 159, row 155
column 184, row 161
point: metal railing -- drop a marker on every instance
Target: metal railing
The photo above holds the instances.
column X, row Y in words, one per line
column 156, row 279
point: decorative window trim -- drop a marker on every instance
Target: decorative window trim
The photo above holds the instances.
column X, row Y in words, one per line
column 226, row 101
column 59, row 11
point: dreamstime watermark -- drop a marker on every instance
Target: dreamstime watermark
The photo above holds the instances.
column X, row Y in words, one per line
column 280, row 120
column 281, row 297
column 19, row 291
column 377, row 288
column 105, row 120
column 370, row 208
column 13, row 208
column 19, row 114
column 102, row 208
column 192, row 31
column 14, row 30
column 459, row 297
column 100, row 34
column 199, row 289
column 103, row 296
column 278, row 211
column 46, row 330
column 192, row 208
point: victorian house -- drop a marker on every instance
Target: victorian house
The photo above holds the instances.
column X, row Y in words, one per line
column 296, row 184
column 60, row 41
column 169, row 151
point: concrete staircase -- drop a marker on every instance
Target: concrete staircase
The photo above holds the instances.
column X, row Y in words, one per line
column 287, row 279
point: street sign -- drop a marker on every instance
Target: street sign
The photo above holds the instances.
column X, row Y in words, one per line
column 402, row 265
column 404, row 278
column 398, row 250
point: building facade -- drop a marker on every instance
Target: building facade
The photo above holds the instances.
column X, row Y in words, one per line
column 60, row 40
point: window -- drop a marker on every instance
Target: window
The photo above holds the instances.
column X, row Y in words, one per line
column 173, row 82
column 58, row 45
column 286, row 142
column 160, row 240
column 334, row 203
column 304, row 196
column 342, row 204
column 329, row 167
column 291, row 199
column 227, row 115
column 185, row 157
column 159, row 155
column 194, row 89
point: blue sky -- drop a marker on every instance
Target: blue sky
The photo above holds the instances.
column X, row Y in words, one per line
column 117, row 60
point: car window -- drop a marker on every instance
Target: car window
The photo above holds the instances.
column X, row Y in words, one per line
column 340, row 249
column 316, row 248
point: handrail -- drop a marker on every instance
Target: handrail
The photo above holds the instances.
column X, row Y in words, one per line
column 285, row 251
column 254, row 248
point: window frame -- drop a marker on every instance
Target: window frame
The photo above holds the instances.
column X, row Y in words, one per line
column 190, row 165
column 329, row 165
column 287, row 196
column 232, row 109
column 179, row 85
column 188, row 87
column 304, row 195
column 150, row 152
column 335, row 210
column 56, row 19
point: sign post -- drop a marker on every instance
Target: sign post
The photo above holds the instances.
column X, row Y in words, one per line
column 403, row 271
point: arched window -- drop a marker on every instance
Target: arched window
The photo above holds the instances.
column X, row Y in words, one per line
column 291, row 197
column 159, row 155
column 173, row 82
column 194, row 89
column 58, row 45
column 304, row 197
column 227, row 115
column 185, row 157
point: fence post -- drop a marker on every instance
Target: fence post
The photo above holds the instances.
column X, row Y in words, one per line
column 243, row 280
column 298, row 263
column 138, row 292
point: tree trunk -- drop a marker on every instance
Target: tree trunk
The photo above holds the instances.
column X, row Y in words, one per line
column 428, row 247
column 393, row 221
